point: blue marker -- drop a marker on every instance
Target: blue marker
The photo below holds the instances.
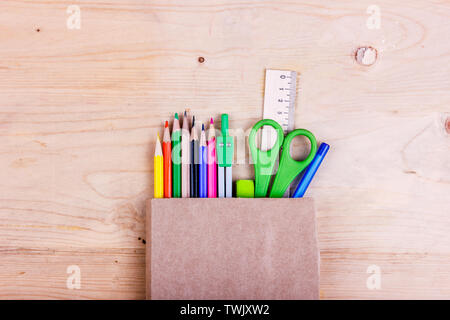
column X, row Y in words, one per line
column 203, row 174
column 311, row 171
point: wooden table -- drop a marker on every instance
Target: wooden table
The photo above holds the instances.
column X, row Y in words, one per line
column 80, row 109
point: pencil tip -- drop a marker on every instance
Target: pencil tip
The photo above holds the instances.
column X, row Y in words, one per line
column 157, row 135
column 176, row 115
column 203, row 127
column 185, row 113
column 212, row 121
column 166, row 125
column 193, row 121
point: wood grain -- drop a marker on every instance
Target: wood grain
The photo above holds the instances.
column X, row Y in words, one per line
column 42, row 273
column 80, row 110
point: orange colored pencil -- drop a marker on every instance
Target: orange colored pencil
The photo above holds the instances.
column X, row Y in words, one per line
column 167, row 154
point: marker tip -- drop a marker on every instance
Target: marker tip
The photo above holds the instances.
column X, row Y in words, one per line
column 166, row 125
column 176, row 115
column 212, row 121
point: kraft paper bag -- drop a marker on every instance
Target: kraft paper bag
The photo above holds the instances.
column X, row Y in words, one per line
column 232, row 248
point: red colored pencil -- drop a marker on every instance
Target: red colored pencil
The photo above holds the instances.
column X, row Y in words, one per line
column 167, row 154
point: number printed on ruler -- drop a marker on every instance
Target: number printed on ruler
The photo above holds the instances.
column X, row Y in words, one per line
column 279, row 103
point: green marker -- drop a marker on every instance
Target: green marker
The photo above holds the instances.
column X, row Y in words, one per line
column 225, row 150
column 176, row 158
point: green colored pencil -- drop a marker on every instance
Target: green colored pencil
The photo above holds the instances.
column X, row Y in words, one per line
column 176, row 158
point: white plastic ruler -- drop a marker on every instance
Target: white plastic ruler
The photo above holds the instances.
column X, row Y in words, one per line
column 279, row 103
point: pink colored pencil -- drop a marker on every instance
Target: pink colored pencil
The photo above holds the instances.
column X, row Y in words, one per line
column 212, row 162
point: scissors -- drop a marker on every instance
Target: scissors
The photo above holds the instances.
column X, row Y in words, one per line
column 264, row 161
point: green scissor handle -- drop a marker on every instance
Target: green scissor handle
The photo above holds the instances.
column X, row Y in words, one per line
column 290, row 168
column 264, row 160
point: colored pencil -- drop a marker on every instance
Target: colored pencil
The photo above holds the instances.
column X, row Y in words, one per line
column 158, row 170
column 185, row 157
column 203, row 169
column 194, row 161
column 212, row 161
column 176, row 158
column 167, row 155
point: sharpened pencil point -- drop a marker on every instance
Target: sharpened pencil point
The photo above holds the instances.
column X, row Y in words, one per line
column 203, row 127
column 212, row 121
column 193, row 121
column 166, row 125
column 176, row 115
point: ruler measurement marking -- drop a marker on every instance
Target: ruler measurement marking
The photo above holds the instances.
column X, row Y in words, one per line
column 279, row 103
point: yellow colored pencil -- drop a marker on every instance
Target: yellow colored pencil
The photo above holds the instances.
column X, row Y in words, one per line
column 158, row 170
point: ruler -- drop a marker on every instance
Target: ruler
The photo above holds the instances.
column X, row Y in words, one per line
column 279, row 103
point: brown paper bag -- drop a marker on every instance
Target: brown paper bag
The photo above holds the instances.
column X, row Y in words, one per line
column 232, row 249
